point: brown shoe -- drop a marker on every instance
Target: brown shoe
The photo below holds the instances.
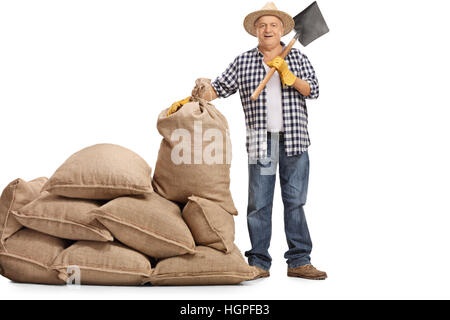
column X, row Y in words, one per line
column 260, row 273
column 307, row 272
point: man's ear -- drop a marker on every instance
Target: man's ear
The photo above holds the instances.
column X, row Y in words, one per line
column 255, row 30
column 282, row 27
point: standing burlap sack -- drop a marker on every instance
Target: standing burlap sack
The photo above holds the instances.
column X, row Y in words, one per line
column 17, row 194
column 195, row 155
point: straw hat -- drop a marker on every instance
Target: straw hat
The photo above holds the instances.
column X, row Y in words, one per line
column 268, row 10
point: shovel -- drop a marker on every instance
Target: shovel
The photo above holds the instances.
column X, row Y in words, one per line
column 309, row 25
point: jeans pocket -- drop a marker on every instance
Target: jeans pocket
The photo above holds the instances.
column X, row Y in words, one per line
column 265, row 163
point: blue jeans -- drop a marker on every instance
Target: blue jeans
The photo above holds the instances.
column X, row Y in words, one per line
column 294, row 175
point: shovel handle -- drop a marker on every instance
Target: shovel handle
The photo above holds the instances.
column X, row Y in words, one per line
column 269, row 75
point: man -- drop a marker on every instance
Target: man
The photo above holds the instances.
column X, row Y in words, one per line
column 276, row 134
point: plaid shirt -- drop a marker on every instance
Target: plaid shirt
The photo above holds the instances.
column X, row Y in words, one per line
column 245, row 73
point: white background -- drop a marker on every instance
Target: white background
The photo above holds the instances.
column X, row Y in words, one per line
column 78, row 73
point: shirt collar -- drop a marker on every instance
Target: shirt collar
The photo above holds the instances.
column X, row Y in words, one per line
column 259, row 53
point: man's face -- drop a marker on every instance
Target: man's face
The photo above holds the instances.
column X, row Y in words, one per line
column 269, row 30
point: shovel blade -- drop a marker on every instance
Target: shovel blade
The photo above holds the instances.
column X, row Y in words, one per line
column 310, row 24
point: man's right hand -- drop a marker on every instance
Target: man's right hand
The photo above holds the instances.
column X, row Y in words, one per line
column 204, row 90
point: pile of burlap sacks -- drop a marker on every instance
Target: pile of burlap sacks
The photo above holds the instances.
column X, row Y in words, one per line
column 102, row 220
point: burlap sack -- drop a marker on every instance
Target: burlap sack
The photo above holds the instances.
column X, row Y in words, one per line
column 29, row 255
column 103, row 171
column 103, row 263
column 17, row 194
column 195, row 155
column 210, row 224
column 207, row 267
column 204, row 90
column 149, row 224
column 63, row 218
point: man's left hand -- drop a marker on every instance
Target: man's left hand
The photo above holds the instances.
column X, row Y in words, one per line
column 287, row 77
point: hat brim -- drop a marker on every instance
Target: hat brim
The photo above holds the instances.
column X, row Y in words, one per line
column 250, row 19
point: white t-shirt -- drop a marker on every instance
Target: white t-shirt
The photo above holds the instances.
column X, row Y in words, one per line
column 274, row 107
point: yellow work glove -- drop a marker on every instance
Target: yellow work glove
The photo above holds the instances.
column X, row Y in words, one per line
column 287, row 77
column 177, row 105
